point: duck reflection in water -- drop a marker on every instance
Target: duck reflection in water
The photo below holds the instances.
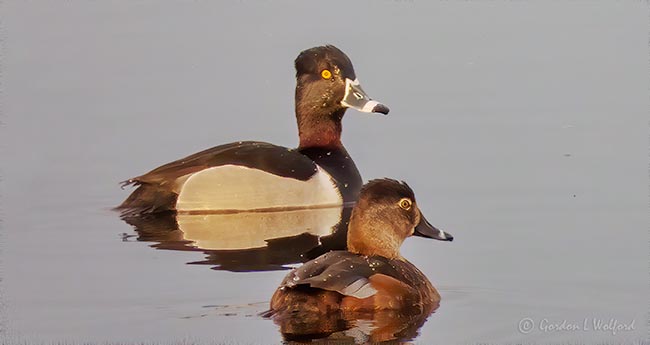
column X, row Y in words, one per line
column 247, row 241
column 370, row 281
column 392, row 326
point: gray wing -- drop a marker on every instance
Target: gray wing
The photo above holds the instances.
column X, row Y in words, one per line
column 341, row 271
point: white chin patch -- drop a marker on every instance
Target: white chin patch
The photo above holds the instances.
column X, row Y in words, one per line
column 234, row 188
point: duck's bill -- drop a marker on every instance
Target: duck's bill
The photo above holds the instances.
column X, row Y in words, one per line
column 356, row 98
column 425, row 229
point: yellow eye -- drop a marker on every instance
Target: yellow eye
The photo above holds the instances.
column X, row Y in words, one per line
column 405, row 203
column 326, row 74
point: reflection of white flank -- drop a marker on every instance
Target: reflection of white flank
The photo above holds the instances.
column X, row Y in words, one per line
column 247, row 230
column 232, row 187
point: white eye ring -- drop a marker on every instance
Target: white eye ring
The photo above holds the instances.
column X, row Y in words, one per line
column 405, row 203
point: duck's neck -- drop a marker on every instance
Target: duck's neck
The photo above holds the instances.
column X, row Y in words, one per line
column 318, row 126
column 319, row 130
column 369, row 236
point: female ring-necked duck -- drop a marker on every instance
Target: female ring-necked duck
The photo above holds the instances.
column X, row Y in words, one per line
column 252, row 175
column 372, row 274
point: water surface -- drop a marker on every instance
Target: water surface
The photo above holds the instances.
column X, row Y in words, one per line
column 522, row 127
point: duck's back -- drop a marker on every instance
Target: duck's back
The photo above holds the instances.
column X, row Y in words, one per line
column 348, row 281
column 244, row 176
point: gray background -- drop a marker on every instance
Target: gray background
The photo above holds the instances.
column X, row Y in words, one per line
column 522, row 127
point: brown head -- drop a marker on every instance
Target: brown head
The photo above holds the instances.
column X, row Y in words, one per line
column 385, row 215
column 326, row 87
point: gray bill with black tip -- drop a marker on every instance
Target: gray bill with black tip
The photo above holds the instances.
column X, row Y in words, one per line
column 356, row 98
column 425, row 229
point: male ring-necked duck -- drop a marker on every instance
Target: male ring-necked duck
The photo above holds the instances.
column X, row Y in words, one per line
column 253, row 175
column 372, row 274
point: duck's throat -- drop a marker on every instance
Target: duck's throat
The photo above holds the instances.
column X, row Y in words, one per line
column 320, row 130
column 370, row 238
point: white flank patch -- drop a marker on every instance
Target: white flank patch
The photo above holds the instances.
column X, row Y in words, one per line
column 247, row 230
column 233, row 187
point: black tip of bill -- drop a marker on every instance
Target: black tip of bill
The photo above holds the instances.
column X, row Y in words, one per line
column 380, row 108
column 425, row 229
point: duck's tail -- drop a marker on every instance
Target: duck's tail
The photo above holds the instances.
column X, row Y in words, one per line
column 146, row 199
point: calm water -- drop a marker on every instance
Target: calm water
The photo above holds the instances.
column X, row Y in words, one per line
column 522, row 127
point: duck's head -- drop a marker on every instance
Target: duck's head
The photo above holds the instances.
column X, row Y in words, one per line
column 385, row 215
column 326, row 87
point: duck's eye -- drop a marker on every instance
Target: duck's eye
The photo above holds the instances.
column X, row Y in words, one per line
column 405, row 203
column 326, row 74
